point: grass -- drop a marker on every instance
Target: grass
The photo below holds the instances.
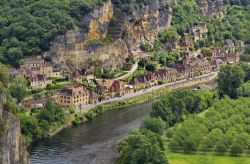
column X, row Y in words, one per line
column 178, row 158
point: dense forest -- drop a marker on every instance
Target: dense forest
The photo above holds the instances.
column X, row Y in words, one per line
column 27, row 27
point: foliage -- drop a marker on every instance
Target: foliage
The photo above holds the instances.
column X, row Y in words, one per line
column 93, row 112
column 143, row 62
column 146, row 47
column 230, row 78
column 155, row 125
column 28, row 27
column 37, row 125
column 169, row 34
column 141, row 146
column 185, row 13
column 168, row 58
column 173, row 108
column 245, row 57
column 4, row 77
column 151, row 67
column 224, row 127
column 19, row 88
column 244, row 90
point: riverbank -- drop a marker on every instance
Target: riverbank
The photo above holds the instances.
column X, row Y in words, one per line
column 136, row 98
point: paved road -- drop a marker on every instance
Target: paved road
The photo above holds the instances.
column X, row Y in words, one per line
column 141, row 92
column 133, row 69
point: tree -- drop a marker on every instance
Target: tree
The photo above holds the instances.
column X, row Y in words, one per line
column 230, row 78
column 19, row 88
column 169, row 33
column 143, row 62
column 155, row 125
column 141, row 147
column 244, row 90
column 4, row 77
column 150, row 67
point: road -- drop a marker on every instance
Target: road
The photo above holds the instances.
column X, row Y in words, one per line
column 133, row 69
column 141, row 92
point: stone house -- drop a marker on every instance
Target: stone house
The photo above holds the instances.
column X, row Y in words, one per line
column 117, row 89
column 34, row 103
column 93, row 98
column 216, row 64
column 103, row 88
column 167, row 75
column 73, row 97
column 39, row 81
column 185, row 41
column 137, row 83
column 79, row 76
column 197, row 32
column 147, row 80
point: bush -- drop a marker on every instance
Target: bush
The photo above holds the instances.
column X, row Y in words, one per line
column 146, row 47
column 89, row 115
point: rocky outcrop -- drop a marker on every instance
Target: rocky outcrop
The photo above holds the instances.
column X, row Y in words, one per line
column 211, row 8
column 12, row 147
column 77, row 49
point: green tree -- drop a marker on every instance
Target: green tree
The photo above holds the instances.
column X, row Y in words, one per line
column 154, row 124
column 19, row 88
column 141, row 147
column 230, row 78
column 150, row 67
column 143, row 62
column 244, row 90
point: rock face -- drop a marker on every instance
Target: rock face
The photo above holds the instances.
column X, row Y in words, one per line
column 12, row 148
column 77, row 49
column 211, row 8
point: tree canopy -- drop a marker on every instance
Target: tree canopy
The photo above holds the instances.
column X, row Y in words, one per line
column 27, row 27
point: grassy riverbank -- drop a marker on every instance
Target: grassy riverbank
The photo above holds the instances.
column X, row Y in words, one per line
column 208, row 158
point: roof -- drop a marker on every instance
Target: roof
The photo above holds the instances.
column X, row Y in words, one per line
column 74, row 91
column 117, row 83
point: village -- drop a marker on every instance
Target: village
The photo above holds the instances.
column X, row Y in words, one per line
column 80, row 88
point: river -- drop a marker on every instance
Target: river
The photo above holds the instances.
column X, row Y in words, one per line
column 92, row 142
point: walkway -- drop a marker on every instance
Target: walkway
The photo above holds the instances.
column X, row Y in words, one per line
column 133, row 69
column 144, row 91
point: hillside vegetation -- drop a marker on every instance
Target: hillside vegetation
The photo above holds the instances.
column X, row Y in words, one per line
column 27, row 26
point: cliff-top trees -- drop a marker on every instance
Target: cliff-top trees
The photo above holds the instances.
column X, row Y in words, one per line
column 28, row 27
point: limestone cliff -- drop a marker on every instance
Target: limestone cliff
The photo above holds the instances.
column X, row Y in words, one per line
column 77, row 49
column 211, row 8
column 12, row 148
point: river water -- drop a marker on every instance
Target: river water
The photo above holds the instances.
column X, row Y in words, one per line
column 92, row 142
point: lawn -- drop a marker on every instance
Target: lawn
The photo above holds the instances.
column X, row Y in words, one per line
column 178, row 158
